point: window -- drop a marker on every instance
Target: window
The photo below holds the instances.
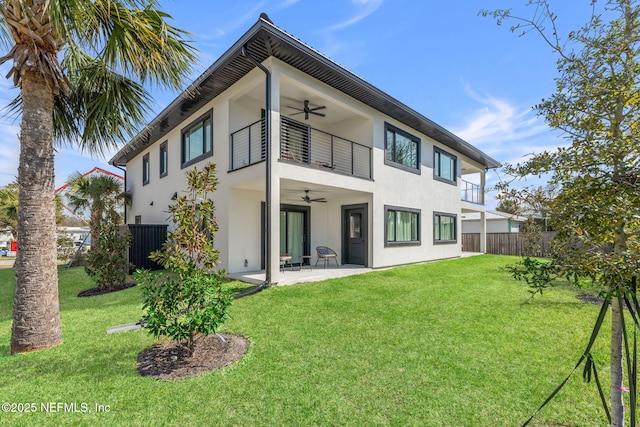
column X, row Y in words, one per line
column 444, row 166
column 138, row 219
column 402, row 227
column 402, row 149
column 197, row 142
column 444, row 228
column 164, row 159
column 145, row 169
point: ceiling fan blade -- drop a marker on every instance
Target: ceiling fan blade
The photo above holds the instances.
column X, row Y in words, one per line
column 322, row 107
column 321, row 200
column 294, row 108
column 300, row 112
column 317, row 114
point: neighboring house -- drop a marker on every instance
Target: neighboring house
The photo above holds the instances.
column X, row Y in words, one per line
column 77, row 235
column 348, row 166
column 496, row 222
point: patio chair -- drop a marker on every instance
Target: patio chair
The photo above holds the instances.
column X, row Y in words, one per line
column 285, row 259
column 325, row 254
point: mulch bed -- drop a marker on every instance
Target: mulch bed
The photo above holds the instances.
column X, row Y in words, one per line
column 591, row 299
column 170, row 361
column 91, row 292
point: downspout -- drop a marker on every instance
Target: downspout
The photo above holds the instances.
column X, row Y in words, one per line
column 267, row 129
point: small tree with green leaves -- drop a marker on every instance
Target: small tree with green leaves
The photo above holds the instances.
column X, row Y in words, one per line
column 192, row 299
column 596, row 106
column 107, row 260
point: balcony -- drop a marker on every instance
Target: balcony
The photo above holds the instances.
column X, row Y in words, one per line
column 471, row 193
column 302, row 144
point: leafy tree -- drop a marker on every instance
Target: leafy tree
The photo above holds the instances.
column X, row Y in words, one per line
column 107, row 258
column 94, row 97
column 192, row 299
column 97, row 194
column 9, row 208
column 597, row 107
column 508, row 206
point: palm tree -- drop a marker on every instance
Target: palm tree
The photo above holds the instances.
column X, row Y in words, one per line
column 94, row 98
column 94, row 193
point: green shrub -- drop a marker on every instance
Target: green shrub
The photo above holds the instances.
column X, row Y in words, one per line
column 107, row 260
column 192, row 299
column 182, row 308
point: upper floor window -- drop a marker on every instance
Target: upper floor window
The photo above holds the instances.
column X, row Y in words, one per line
column 444, row 166
column 402, row 227
column 401, row 149
column 444, row 228
column 145, row 169
column 197, row 140
column 164, row 159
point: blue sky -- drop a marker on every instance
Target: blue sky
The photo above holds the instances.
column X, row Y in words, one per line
column 461, row 70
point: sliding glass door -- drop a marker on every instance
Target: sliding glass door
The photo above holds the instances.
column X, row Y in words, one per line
column 294, row 232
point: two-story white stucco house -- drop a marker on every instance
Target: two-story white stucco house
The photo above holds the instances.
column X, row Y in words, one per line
column 308, row 154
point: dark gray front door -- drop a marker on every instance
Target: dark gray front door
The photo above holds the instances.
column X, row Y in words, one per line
column 355, row 233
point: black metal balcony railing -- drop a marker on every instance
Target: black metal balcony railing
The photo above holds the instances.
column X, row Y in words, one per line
column 471, row 192
column 302, row 144
column 247, row 146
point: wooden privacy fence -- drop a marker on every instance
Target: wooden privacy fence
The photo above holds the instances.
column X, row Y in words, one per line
column 505, row 243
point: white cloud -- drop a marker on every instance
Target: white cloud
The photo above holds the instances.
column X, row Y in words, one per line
column 509, row 133
column 233, row 24
column 364, row 8
column 505, row 131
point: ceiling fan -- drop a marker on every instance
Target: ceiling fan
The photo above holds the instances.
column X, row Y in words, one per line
column 308, row 199
column 306, row 110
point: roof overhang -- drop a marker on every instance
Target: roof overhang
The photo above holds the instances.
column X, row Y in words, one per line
column 263, row 40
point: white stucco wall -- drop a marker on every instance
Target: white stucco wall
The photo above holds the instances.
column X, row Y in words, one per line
column 240, row 193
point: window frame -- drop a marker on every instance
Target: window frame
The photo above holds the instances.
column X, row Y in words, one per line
column 185, row 131
column 395, row 243
column 397, row 131
column 146, row 169
column 164, row 159
column 437, row 154
column 455, row 228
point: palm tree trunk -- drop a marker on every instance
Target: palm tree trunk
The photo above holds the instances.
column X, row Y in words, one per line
column 36, row 309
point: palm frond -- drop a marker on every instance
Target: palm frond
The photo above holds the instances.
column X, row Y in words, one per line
column 133, row 38
column 104, row 109
column 6, row 39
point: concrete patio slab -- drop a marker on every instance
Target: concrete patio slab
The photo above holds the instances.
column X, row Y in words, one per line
column 304, row 275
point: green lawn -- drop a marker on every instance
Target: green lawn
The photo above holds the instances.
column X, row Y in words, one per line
column 447, row 343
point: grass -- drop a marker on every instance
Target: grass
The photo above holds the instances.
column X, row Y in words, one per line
column 447, row 343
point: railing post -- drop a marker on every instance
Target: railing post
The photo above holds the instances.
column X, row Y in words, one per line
column 333, row 163
column 353, row 166
column 231, row 165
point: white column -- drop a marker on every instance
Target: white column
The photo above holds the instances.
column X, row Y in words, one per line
column 275, row 175
column 483, row 232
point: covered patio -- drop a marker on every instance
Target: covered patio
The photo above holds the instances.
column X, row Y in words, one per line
column 292, row 276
